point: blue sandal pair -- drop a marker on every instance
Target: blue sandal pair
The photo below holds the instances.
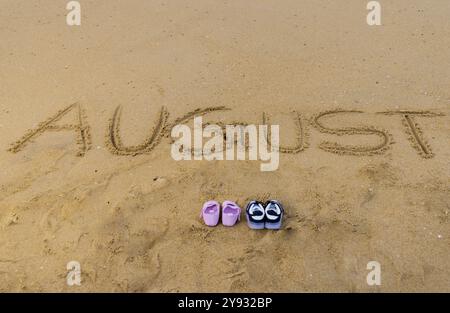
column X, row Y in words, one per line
column 268, row 215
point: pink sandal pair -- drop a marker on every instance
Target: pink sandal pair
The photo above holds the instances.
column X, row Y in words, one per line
column 231, row 213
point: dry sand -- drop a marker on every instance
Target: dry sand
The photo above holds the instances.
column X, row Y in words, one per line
column 132, row 220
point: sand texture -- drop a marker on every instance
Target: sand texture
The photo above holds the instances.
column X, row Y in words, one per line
column 87, row 175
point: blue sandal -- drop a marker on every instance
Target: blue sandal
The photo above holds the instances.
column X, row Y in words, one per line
column 274, row 214
column 255, row 215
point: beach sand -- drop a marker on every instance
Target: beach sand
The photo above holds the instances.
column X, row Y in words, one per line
column 131, row 219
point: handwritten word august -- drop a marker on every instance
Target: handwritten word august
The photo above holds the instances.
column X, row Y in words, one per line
column 163, row 126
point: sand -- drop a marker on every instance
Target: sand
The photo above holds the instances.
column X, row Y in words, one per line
column 357, row 186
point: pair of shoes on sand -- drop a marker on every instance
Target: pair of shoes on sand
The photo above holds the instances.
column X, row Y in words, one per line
column 267, row 215
column 231, row 213
column 259, row 215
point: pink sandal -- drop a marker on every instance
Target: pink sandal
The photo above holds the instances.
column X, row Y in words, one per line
column 210, row 213
column 231, row 213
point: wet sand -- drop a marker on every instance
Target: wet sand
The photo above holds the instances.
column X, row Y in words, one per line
column 360, row 181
